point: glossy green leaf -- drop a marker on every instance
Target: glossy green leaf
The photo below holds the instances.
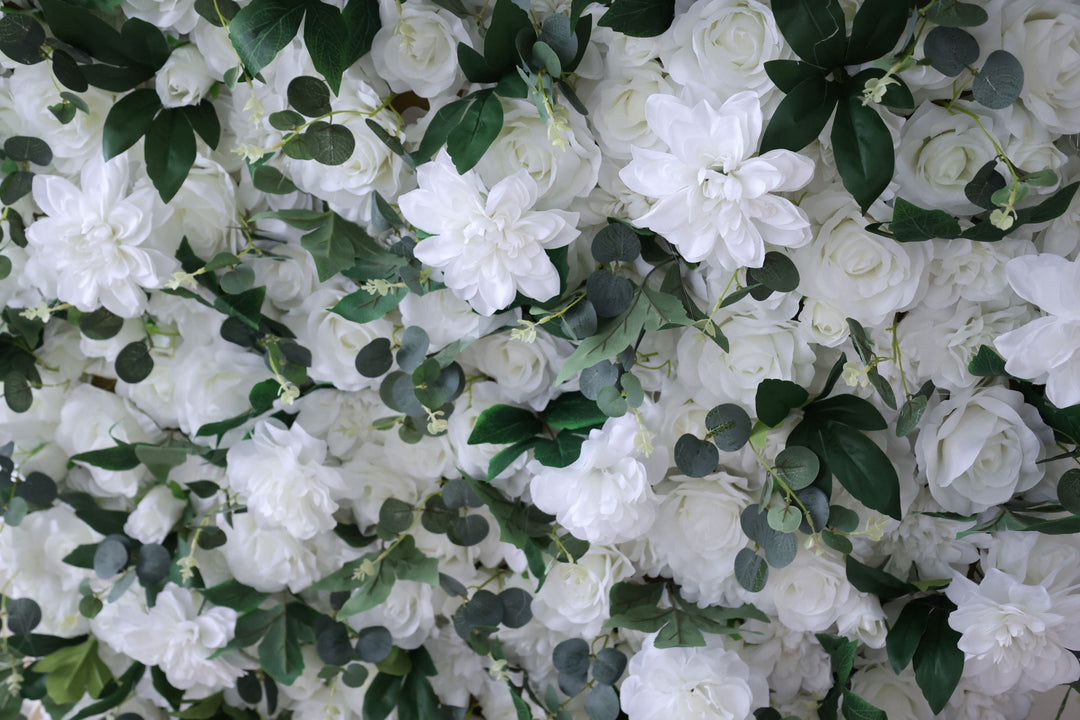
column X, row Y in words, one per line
column 815, row 29
column 876, row 29
column 639, row 18
column 169, row 151
column 262, row 28
column 801, row 115
column 863, row 148
column 951, row 50
column 477, row 129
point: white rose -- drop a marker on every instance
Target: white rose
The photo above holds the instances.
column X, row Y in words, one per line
column 154, row 516
column 617, row 108
column 897, row 695
column 939, row 154
column 606, row 495
column 1045, row 37
column 574, row 597
column 979, row 448
column 445, row 317
column 205, row 211
column 215, row 47
column 561, row 173
column 268, row 559
column 288, row 272
column 759, row 350
column 184, row 78
column 823, row 324
column 374, row 476
column 524, row 371
column 724, row 45
column 213, row 381
column 282, row 476
column 416, row 48
column 812, row 592
column 685, row 682
column 407, row 613
column 178, row 15
column 794, row 661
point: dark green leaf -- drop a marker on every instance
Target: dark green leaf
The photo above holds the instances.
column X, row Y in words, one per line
column 1068, row 491
column 506, row 456
column 517, row 607
column 777, row 272
column 639, row 18
column 950, row 50
column 373, row 644
column 615, row 243
column 984, row 184
column 602, row 703
column 876, row 582
column 728, row 426
column 862, row 146
column 608, row 666
column 263, row 28
column 21, row 38
column 911, row 413
column 953, row 13
column 801, row 116
column 573, row 411
column 17, row 393
column 327, row 39
column 100, row 324
column 788, row 74
column 863, row 469
column 999, row 82
column 23, row 615
column 375, row 358
column 776, row 398
column 856, row 708
column 500, row 424
column 814, row 29
column 285, row 120
column 234, row 594
column 780, row 547
column 876, row 30
column 480, row 124
column 414, row 346
column 15, row 186
column 133, row 362
column 110, row 557
column 329, row 144
column 153, row 564
column 938, row 661
column 169, row 151
column 363, row 22
column 609, row 295
column 564, row 450
column 847, row 410
column 905, row 634
column 204, row 120
column 500, row 49
column 695, row 457
column 571, row 657
column 23, row 148
column 751, row 570
column 309, row 96
column 280, row 650
column 987, row 363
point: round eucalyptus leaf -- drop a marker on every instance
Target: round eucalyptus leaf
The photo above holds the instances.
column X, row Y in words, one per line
column 308, row 95
column 777, row 272
column 843, row 519
column 594, row 379
column 38, row 489
column 571, row 657
column 90, row 606
column 610, row 295
column 23, row 148
column 398, row 392
column 485, row 609
column 999, row 82
column 571, row 685
column 457, row 493
column 437, row 518
column 580, row 322
column 602, row 703
column 1068, row 491
column 285, row 120
column 414, row 347
column 211, row 537
column 133, row 362
column 395, row 516
column 21, row 38
column 354, row 675
column 452, row 586
column 951, row 50
column 728, row 426
column 237, row 280
column 24, row 615
column 5, row 266
column 333, row 644
column 635, row 394
column 249, row 688
column 611, row 402
column 375, row 358
column 15, row 186
column 751, row 570
column 373, row 644
column 152, row 567
column 784, row 518
column 837, row 542
column 780, row 547
column 469, row 530
column 753, row 520
column 16, row 512
column 298, row 147
column 517, row 607
column 329, row 144
column 817, row 504
column 17, row 393
column 797, row 466
column 110, row 557
column 694, row 457
column 608, row 666
column 544, row 57
column 100, row 324
column 616, row 243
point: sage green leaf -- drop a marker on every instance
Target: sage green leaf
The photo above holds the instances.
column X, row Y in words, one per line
column 23, row 148
column 863, row 148
column 999, row 82
column 911, row 413
column 21, row 38
column 953, row 13
column 798, row 467
column 694, row 457
column 751, row 570
column 950, row 50
column 329, row 144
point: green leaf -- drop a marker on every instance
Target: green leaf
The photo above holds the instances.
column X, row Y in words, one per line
column 1068, row 491
column 602, row 703
column 784, row 519
column 21, row 38
column 695, row 457
column 938, row 661
column 23, row 148
column 327, row 39
column 363, row 306
column 814, row 29
column 728, row 426
column 788, row 74
column 280, row 650
column 573, row 411
column 445, row 120
column 506, row 456
column 911, row 413
column 639, row 18
column 950, row 50
column 905, row 634
column 500, row 42
column 876, row 30
column 777, row 272
column 798, row 467
column 615, row 243
column 856, row 708
column 560, row 452
column 169, row 151
column 100, row 324
column 608, row 342
column 897, row 94
column 999, row 82
column 876, row 582
column 260, row 30
column 23, row 615
column 234, row 594
column 911, row 223
column 85, row 31
column 500, row 424
column 17, row 393
column 133, row 362
column 74, row 671
column 480, row 124
column 847, row 410
column 775, row 399
column 801, row 116
column 160, row 460
column 363, row 22
column 751, row 570
column 953, row 13
column 374, row 644
column 395, row 516
column 985, row 183
column 863, row 469
column 15, row 186
column 987, row 363
column 123, row 689
column 153, row 564
column 309, row 96
column 662, row 310
column 862, row 146
column 371, row 591
column 329, row 144
column 331, row 244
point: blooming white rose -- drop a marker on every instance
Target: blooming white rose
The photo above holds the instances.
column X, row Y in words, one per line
column 525, row 372
column 1045, row 37
column 1014, row 636
column 898, row 695
column 714, row 198
column 812, row 592
column 408, row 613
column 980, row 448
column 204, row 211
column 178, row 15
column 282, row 476
column 489, row 244
column 416, row 48
column 445, row 317
column 691, row 682
column 94, row 247
column 212, row 382
column 617, row 108
column 268, row 559
column 288, row 272
column 574, row 597
column 606, row 495
column 1045, row 350
column 184, row 78
column 794, row 661
column 154, row 516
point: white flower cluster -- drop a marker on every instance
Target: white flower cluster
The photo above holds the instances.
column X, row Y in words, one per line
column 271, row 380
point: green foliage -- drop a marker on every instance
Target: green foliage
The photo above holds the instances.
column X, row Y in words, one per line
column 682, row 624
column 639, row 18
column 74, row 671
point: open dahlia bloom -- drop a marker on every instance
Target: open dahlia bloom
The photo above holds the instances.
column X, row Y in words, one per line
column 1045, row 350
column 714, row 199
column 489, row 243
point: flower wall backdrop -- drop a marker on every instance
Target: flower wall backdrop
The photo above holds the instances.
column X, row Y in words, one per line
column 460, row 359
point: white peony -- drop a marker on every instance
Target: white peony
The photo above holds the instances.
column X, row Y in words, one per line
column 1014, row 636
column 704, row 683
column 489, row 244
column 281, row 475
column 979, row 448
column 1045, row 350
column 714, row 199
column 94, row 249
